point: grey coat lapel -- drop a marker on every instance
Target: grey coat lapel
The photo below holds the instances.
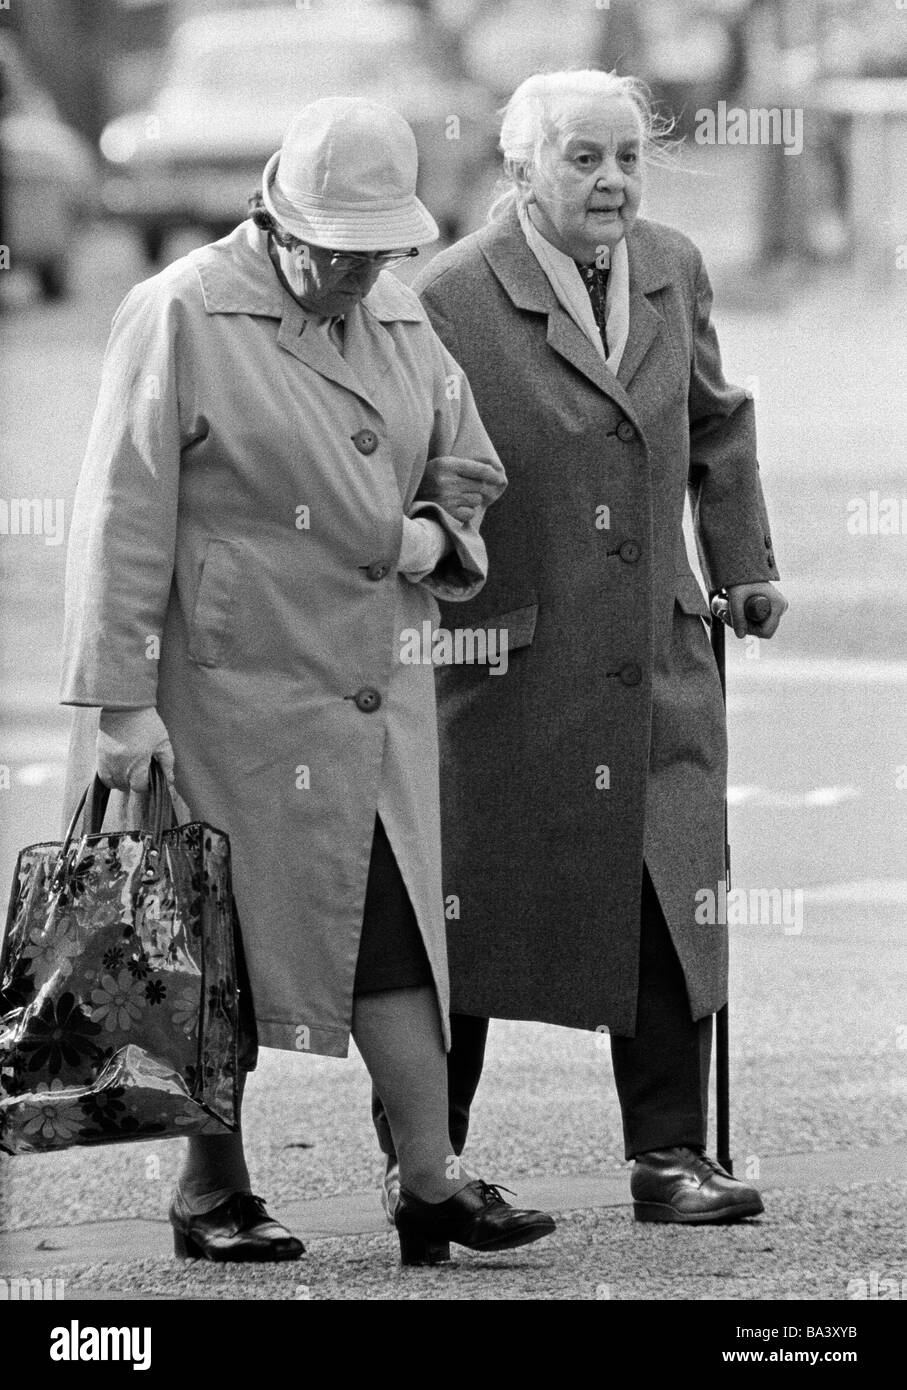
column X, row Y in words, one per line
column 526, row 283
column 649, row 273
column 297, row 336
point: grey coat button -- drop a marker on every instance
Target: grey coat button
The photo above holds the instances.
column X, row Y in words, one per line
column 630, row 551
column 366, row 441
column 631, row 674
column 377, row 570
column 367, row 699
column 626, row 432
column 770, row 557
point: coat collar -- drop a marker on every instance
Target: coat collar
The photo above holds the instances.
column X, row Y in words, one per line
column 236, row 277
column 507, row 252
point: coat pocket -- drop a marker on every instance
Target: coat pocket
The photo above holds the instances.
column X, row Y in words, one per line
column 518, row 623
column 689, row 595
column 216, row 593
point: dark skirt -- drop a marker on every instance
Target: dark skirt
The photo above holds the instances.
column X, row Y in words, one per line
column 392, row 953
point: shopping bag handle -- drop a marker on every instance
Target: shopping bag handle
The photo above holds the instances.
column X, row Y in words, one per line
column 160, row 813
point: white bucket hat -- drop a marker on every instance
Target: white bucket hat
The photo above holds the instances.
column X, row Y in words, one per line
column 345, row 178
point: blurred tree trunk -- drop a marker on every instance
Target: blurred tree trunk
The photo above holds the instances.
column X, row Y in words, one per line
column 622, row 39
column 73, row 45
column 66, row 45
column 774, row 29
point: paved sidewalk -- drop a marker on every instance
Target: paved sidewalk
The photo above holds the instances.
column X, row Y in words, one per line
column 832, row 1219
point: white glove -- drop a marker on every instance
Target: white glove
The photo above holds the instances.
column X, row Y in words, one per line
column 127, row 739
column 424, row 544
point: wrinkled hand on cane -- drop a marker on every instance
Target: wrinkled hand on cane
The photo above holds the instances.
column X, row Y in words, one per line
column 756, row 609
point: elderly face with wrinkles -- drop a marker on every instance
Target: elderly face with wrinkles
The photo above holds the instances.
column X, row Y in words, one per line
column 585, row 190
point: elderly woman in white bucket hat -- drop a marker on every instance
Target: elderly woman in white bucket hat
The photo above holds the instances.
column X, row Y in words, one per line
column 257, row 513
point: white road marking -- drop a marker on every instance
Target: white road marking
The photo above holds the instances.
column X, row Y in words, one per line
column 37, row 774
column 818, row 796
column 890, row 892
column 830, row 671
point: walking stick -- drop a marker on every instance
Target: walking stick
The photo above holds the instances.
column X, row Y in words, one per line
column 756, row 610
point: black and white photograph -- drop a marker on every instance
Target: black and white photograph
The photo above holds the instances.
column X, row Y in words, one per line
column 453, row 700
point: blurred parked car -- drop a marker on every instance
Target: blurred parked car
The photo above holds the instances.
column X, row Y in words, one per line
column 235, row 80
column 48, row 175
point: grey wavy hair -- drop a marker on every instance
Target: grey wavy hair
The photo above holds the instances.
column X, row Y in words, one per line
column 535, row 113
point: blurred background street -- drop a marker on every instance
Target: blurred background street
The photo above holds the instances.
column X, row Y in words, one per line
column 126, row 139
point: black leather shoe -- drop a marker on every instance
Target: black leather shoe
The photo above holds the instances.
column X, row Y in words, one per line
column 686, row 1186
column 390, row 1190
column 477, row 1216
column 239, row 1229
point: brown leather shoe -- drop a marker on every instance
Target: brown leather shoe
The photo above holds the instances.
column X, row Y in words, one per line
column 686, row 1186
column 239, row 1229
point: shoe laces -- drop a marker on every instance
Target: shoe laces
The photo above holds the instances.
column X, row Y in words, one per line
column 491, row 1192
column 711, row 1163
column 252, row 1208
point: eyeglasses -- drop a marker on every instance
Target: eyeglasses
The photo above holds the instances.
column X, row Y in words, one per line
column 345, row 260
column 355, row 260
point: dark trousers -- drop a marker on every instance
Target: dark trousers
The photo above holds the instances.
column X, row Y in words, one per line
column 662, row 1074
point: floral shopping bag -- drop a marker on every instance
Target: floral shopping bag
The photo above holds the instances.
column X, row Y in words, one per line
column 120, row 1008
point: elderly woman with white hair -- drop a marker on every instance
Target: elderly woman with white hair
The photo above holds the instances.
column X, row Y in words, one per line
column 583, row 792
column 247, row 547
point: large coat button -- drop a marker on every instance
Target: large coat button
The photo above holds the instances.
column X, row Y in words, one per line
column 770, row 559
column 626, row 432
column 630, row 552
column 631, row 674
column 377, row 570
column 367, row 699
column 366, row 441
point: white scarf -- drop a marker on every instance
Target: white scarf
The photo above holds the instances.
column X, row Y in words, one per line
column 572, row 295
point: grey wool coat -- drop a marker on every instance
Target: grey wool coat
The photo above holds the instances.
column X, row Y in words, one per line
column 233, row 561
column 604, row 743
